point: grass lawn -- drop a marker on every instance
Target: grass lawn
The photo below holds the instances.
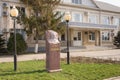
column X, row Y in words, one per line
column 35, row 70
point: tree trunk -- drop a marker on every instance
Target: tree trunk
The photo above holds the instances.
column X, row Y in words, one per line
column 36, row 47
column 36, row 43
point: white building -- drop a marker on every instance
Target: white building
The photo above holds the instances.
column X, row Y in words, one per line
column 92, row 23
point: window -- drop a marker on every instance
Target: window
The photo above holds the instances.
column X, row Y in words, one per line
column 40, row 37
column 0, row 11
column 66, row 1
column 77, row 1
column 22, row 10
column 93, row 19
column 62, row 14
column 105, row 35
column 20, row 31
column 79, row 35
column 91, row 36
column 105, row 20
column 77, row 17
column 63, row 37
column 116, row 21
column 59, row 14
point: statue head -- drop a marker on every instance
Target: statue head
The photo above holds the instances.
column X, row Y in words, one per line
column 52, row 36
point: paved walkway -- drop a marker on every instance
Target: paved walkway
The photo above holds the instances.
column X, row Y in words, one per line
column 113, row 78
column 105, row 54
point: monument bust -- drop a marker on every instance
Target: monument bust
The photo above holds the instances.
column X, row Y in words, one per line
column 52, row 51
column 52, row 37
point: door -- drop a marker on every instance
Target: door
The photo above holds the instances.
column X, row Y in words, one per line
column 77, row 39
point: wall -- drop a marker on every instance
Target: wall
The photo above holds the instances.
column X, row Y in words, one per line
column 89, row 3
column 66, row 1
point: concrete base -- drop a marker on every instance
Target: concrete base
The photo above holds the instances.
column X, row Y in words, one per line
column 57, row 70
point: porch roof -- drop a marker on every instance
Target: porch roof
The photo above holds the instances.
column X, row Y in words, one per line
column 91, row 25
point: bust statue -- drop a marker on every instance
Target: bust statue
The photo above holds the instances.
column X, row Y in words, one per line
column 52, row 36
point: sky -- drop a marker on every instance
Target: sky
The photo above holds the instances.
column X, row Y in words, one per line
column 114, row 2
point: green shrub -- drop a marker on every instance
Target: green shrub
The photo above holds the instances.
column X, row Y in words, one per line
column 20, row 44
column 117, row 40
column 2, row 43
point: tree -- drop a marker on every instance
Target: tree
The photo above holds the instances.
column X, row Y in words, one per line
column 117, row 40
column 42, row 17
column 21, row 45
column 2, row 43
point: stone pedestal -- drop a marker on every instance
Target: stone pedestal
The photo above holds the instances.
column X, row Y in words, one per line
column 52, row 51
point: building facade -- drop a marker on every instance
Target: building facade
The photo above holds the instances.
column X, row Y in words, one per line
column 6, row 21
column 92, row 23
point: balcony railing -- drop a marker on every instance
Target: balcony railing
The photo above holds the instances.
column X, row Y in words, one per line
column 91, row 25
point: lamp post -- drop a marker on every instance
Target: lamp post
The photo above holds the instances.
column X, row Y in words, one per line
column 14, row 14
column 67, row 17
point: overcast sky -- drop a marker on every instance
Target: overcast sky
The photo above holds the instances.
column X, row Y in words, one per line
column 114, row 2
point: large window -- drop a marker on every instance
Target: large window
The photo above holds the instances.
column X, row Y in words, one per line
column 59, row 14
column 92, row 36
column 77, row 17
column 105, row 35
column 79, row 35
column 116, row 21
column 20, row 31
column 105, row 20
column 77, row 1
column 40, row 37
column 0, row 11
column 62, row 13
column 92, row 19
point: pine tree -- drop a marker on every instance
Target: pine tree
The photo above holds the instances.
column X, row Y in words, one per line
column 42, row 17
column 117, row 40
column 21, row 44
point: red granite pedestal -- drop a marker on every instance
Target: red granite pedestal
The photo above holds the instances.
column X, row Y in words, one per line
column 52, row 52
